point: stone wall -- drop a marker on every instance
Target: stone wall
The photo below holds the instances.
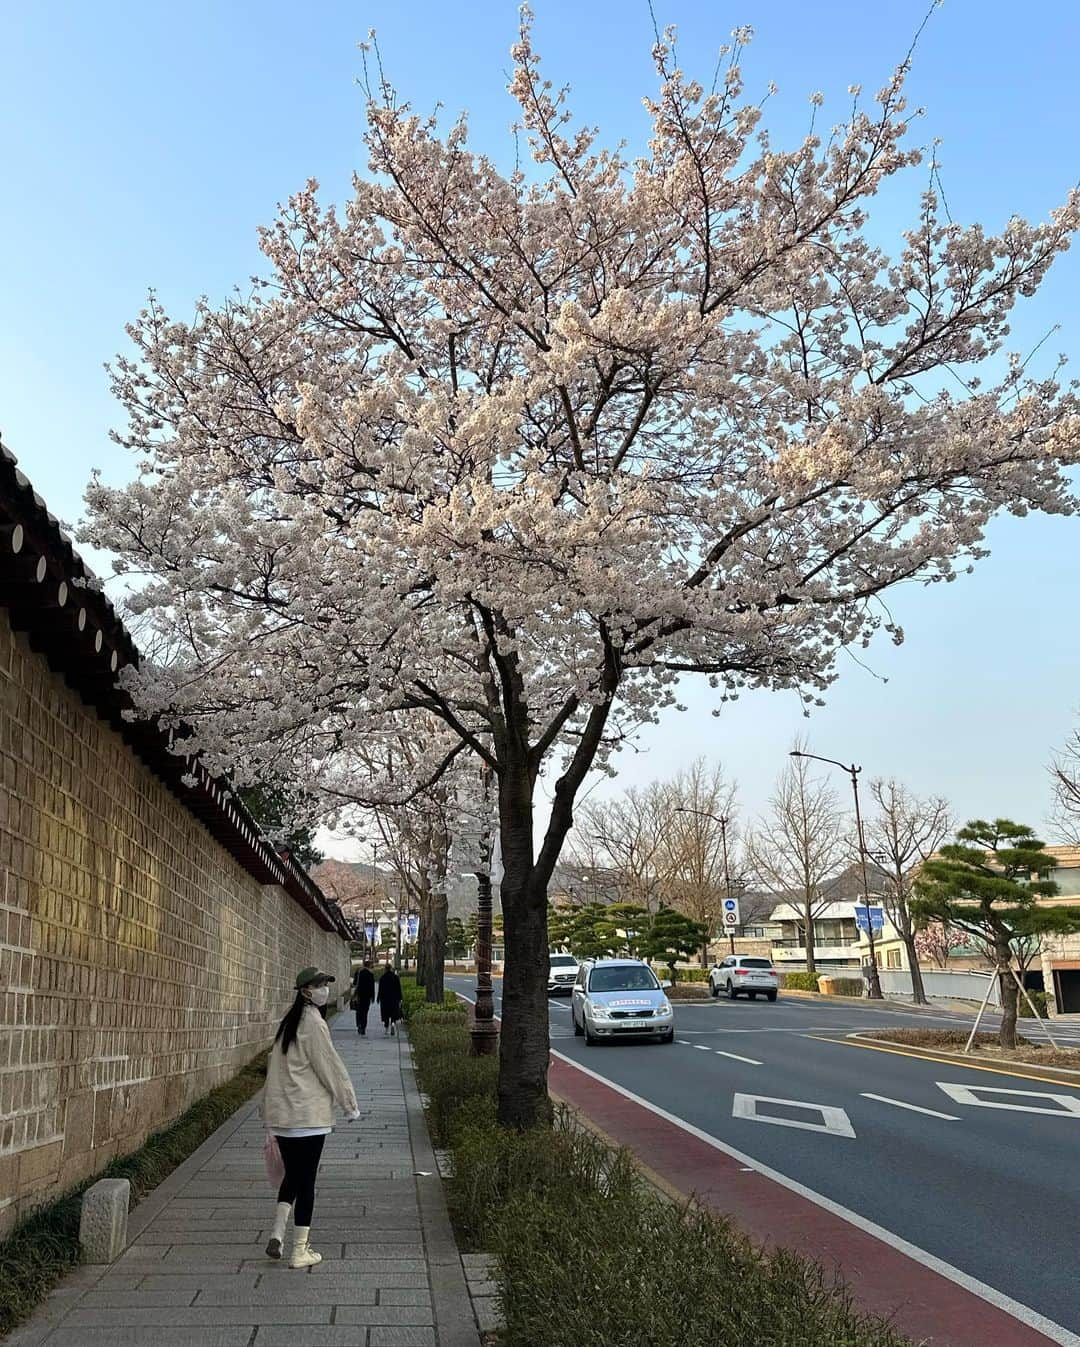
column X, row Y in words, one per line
column 140, row 964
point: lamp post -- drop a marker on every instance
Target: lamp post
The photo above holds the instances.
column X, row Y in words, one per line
column 723, row 822
column 853, row 773
column 485, row 1037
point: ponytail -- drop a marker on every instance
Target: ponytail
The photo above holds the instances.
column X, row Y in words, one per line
column 290, row 1021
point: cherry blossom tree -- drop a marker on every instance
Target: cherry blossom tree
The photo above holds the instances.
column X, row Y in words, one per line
column 517, row 450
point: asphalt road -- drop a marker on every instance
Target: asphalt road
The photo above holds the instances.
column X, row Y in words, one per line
column 988, row 1181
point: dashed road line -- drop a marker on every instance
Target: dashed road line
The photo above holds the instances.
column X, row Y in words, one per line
column 735, row 1056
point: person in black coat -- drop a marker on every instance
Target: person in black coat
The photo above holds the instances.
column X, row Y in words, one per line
column 363, row 994
column 390, row 998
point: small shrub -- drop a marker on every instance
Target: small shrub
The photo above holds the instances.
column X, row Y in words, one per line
column 848, row 986
column 800, row 982
column 1038, row 1000
column 691, row 974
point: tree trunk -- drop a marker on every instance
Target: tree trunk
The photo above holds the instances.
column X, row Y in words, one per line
column 423, row 937
column 524, row 1046
column 918, row 990
column 1007, row 1032
column 435, row 952
column 811, row 966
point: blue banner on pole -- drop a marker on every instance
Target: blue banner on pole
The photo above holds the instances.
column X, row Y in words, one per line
column 865, row 917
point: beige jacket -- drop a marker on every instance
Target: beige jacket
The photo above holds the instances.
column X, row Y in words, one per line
column 304, row 1084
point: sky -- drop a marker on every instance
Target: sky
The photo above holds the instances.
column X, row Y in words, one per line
column 143, row 143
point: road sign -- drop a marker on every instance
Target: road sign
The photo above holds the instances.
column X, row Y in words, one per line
column 730, row 916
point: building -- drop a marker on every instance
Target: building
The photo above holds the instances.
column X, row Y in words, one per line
column 838, row 943
column 1059, row 960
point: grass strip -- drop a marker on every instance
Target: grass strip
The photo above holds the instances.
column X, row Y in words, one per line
column 1034, row 1052
column 44, row 1246
column 586, row 1253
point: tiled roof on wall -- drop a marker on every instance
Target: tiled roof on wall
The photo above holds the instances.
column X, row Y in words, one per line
column 50, row 594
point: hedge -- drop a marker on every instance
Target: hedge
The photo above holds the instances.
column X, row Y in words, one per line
column 800, row 982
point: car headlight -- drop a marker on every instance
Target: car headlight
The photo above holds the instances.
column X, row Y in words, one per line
column 664, row 1010
column 599, row 1012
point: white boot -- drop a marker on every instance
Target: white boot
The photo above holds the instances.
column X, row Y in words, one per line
column 302, row 1255
column 277, row 1234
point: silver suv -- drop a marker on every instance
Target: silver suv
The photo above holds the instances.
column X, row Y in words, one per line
column 742, row 974
column 620, row 998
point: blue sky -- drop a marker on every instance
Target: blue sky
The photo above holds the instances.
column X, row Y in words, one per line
column 143, row 143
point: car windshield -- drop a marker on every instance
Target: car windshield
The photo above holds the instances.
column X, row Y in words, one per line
column 629, row 979
column 756, row 963
column 562, row 961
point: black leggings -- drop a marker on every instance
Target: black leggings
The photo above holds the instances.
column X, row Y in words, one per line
column 301, row 1156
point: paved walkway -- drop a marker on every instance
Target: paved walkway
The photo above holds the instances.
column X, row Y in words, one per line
column 194, row 1273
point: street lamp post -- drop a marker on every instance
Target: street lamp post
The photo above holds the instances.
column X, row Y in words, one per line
column 853, row 772
column 374, row 895
column 723, row 822
column 484, row 1035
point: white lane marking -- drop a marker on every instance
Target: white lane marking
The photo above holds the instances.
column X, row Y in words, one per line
column 735, row 1056
column 701, row 1047
column 833, row 1120
column 686, row 1043
column 915, row 1108
column 969, row 1094
column 1024, row 1313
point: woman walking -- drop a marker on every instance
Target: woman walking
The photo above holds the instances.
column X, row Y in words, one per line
column 390, row 998
column 305, row 1078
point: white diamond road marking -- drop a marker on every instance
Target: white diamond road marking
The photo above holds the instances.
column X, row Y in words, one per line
column 1068, row 1105
column 833, row 1120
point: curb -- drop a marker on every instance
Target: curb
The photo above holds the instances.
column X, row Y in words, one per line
column 455, row 1324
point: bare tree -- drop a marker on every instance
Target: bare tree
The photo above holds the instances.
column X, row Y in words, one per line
column 628, row 836
column 800, row 845
column 1065, row 770
column 703, row 826
column 900, row 835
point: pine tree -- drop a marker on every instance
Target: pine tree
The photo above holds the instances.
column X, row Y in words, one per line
column 672, row 936
column 988, row 883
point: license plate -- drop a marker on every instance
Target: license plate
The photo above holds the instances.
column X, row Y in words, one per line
column 637, row 1024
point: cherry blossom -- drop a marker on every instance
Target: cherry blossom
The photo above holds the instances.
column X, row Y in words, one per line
column 514, row 452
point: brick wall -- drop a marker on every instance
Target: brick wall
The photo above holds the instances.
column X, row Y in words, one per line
column 140, row 964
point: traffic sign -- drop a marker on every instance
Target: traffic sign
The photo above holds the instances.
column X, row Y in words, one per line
column 731, row 913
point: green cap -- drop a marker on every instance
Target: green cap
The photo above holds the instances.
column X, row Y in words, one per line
column 307, row 976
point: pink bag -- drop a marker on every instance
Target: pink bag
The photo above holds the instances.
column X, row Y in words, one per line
column 275, row 1165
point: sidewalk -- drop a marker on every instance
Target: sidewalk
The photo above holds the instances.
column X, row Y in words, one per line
column 194, row 1274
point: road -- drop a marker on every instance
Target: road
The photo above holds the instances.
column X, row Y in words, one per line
column 944, row 1157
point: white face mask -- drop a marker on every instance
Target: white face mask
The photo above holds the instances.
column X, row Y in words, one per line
column 318, row 996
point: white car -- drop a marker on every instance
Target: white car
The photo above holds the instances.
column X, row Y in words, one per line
column 562, row 971
column 744, row 975
column 621, row 998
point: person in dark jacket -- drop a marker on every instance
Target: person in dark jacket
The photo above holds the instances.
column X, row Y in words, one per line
column 390, row 998
column 363, row 995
